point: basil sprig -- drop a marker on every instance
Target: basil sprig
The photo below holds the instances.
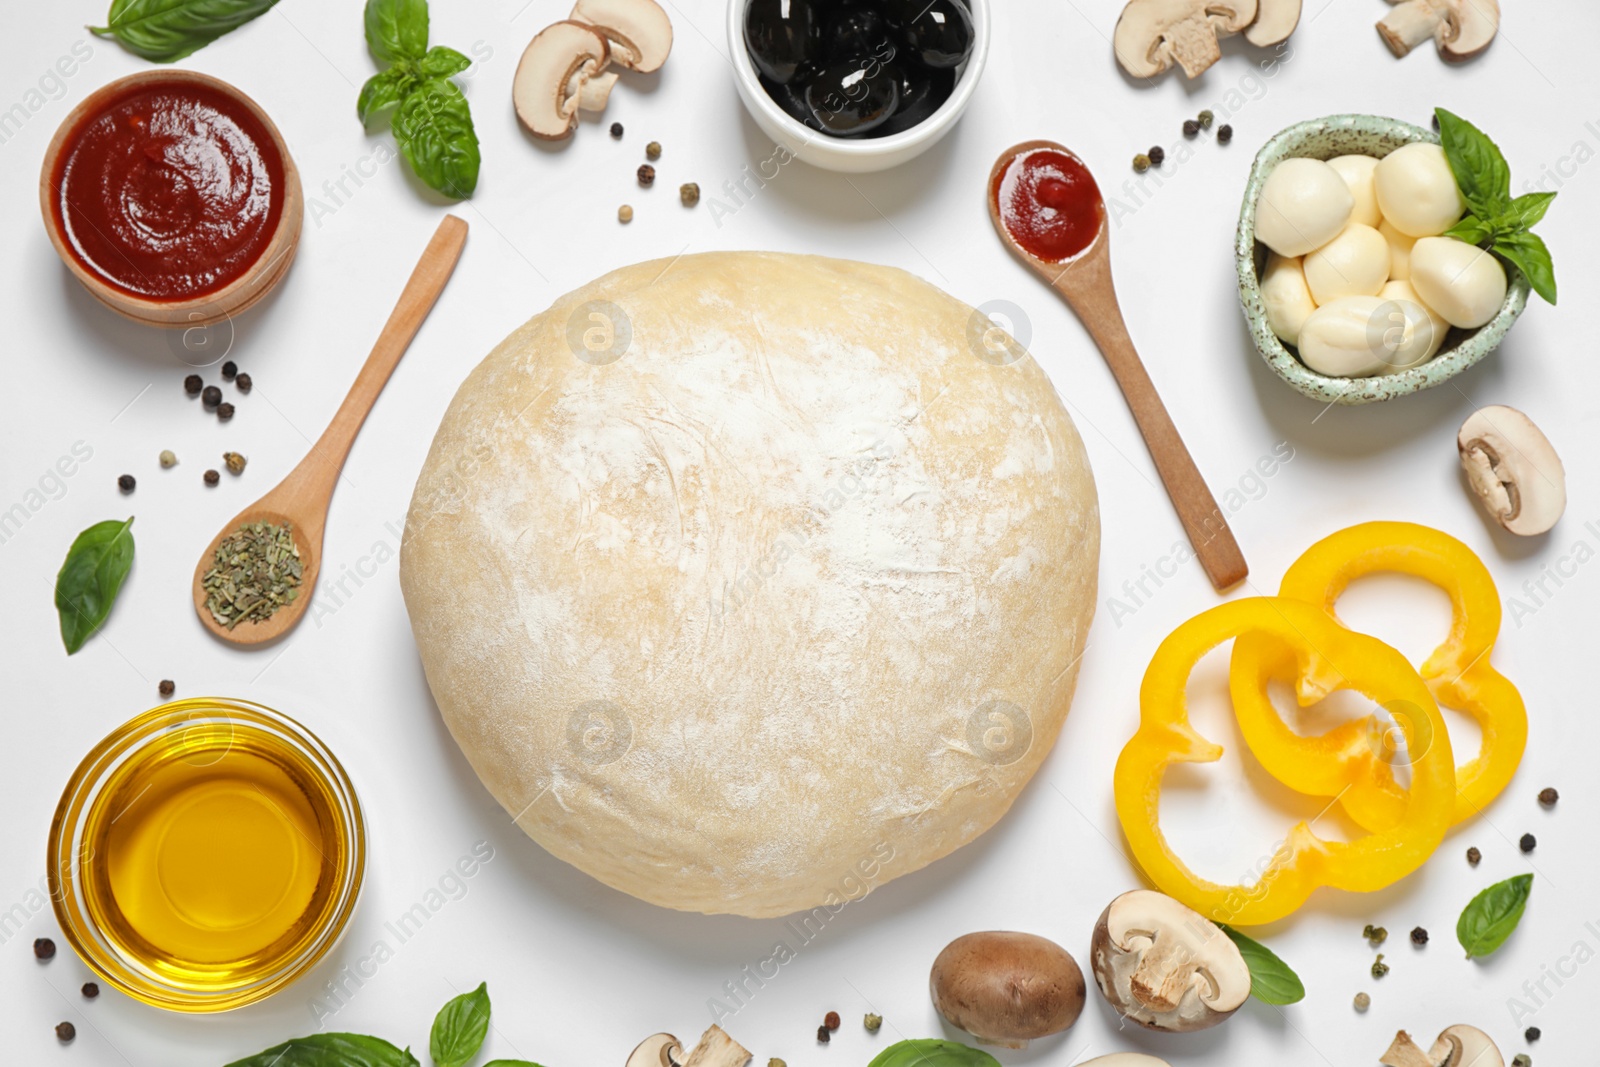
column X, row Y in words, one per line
column 1491, row 916
column 166, row 30
column 90, row 579
column 458, row 1033
column 932, row 1052
column 459, row 1028
column 429, row 115
column 1271, row 980
column 1495, row 220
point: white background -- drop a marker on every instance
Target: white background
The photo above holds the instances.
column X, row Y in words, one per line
column 578, row 972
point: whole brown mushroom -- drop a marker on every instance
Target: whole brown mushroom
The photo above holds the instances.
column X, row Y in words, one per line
column 1007, row 988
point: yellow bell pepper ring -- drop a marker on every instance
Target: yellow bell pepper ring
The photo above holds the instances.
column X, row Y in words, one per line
column 1458, row 673
column 1324, row 654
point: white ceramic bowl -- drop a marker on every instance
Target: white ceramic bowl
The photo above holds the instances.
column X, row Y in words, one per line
column 842, row 154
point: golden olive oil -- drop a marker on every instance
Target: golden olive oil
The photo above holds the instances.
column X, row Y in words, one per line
column 213, row 855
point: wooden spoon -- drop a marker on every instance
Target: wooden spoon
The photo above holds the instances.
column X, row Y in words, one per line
column 1085, row 282
column 302, row 499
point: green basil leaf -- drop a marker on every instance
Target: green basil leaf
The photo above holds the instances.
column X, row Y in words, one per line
column 1492, row 915
column 331, row 1050
column 460, row 1027
column 1527, row 252
column 1472, row 230
column 89, row 580
column 511, row 1063
column 1528, row 209
column 1480, row 170
column 382, row 91
column 434, row 128
column 441, row 62
column 932, row 1052
column 1271, row 980
column 397, row 29
column 166, row 30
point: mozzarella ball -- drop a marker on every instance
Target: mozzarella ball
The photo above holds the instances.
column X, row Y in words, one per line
column 1286, row 297
column 1420, row 333
column 1355, row 263
column 1357, row 174
column 1303, row 205
column 1416, row 191
column 1347, row 338
column 1463, row 283
column 1399, row 251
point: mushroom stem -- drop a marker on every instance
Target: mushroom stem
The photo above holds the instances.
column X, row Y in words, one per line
column 1160, row 980
column 596, row 90
column 1411, row 23
column 1404, row 1052
column 1193, row 43
column 717, row 1049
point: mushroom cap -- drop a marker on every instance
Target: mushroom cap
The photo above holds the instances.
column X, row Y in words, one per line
column 655, row 1051
column 1007, row 988
column 551, row 75
column 1465, row 1046
column 639, row 30
column 1275, row 21
column 1153, row 34
column 1166, row 966
column 1513, row 469
column 1468, row 28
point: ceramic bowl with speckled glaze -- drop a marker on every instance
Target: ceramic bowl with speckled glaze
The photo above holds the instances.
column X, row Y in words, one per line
column 1340, row 135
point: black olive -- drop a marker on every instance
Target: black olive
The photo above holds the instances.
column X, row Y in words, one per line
column 922, row 92
column 853, row 97
column 856, row 31
column 938, row 32
column 791, row 98
column 783, row 37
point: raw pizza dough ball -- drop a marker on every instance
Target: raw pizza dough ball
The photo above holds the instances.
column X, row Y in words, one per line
column 749, row 582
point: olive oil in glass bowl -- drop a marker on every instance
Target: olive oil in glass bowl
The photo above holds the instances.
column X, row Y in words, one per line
column 206, row 854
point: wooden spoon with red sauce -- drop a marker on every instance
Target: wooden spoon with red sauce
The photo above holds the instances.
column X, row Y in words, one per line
column 1048, row 210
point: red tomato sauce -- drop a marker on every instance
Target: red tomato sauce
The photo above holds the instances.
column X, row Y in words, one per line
column 169, row 192
column 1049, row 203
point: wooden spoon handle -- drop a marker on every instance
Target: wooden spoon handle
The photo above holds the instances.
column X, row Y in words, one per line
column 1197, row 509
column 319, row 471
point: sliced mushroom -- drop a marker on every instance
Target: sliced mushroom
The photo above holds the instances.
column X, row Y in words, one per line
column 639, row 31
column 1275, row 21
column 1125, row 1059
column 1461, row 28
column 1457, row 1046
column 551, row 79
column 1151, row 35
column 717, row 1049
column 1166, row 966
column 657, row 1050
column 1513, row 469
column 1007, row 988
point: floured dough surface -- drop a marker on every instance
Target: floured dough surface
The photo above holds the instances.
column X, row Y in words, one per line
column 782, row 602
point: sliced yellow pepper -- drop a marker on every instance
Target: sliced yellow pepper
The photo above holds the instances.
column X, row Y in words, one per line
column 1458, row 673
column 1324, row 653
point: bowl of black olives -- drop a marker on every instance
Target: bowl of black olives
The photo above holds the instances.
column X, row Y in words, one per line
column 857, row 85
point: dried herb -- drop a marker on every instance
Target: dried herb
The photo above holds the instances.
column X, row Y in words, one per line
column 256, row 570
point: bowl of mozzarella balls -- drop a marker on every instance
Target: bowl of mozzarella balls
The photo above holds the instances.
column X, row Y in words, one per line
column 1352, row 292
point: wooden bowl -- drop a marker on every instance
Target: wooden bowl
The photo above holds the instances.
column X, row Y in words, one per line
column 237, row 295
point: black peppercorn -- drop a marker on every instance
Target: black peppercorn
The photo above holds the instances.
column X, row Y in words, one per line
column 1473, row 856
column 44, row 948
column 1224, row 133
column 1531, row 1034
column 1548, row 797
column 616, row 130
column 224, row 412
column 647, row 174
column 1191, row 128
column 831, row 1020
column 65, row 1032
column 1158, row 155
column 126, row 483
column 90, row 990
column 823, row 1037
column 1528, row 843
column 229, row 369
column 1419, row 936
column 212, row 477
column 167, row 687
column 193, row 384
column 243, row 382
column 211, row 397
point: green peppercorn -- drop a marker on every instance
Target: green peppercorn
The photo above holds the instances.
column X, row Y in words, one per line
column 774, row 1061
column 872, row 1022
column 234, row 462
column 1379, row 968
column 1522, row 1059
column 689, row 194
column 652, row 151
column 1376, row 934
column 1141, row 162
column 1205, row 119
